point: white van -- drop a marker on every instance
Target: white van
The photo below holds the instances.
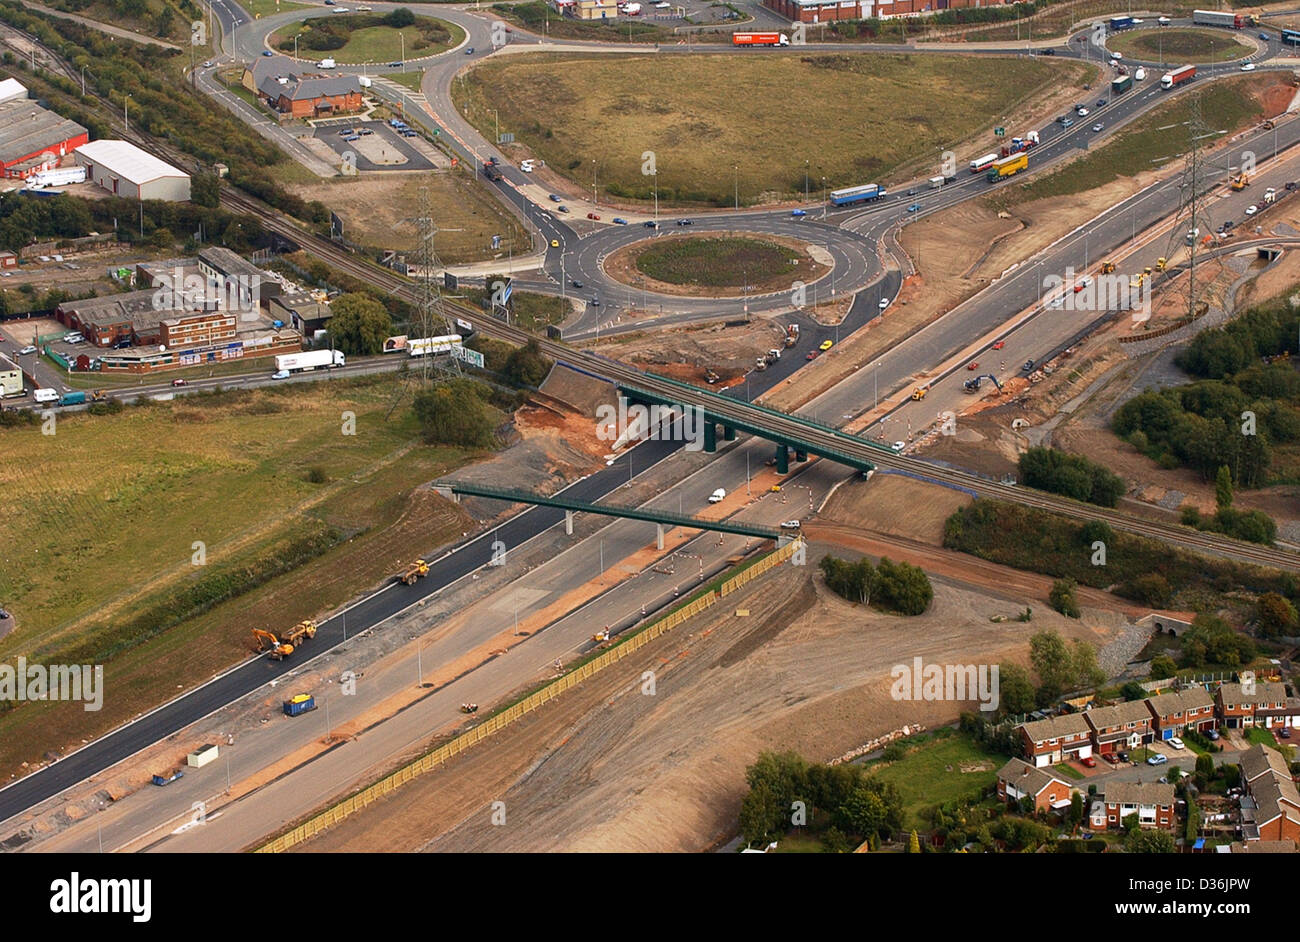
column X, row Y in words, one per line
column 715, row 498
column 46, row 395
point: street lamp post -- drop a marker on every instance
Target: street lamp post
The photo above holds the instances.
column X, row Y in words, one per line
column 594, row 201
column 735, row 170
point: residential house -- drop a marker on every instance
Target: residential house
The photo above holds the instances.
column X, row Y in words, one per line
column 1173, row 713
column 1238, row 705
column 1270, row 809
column 1152, row 801
column 1018, row 779
column 1049, row 741
column 286, row 88
column 1120, row 727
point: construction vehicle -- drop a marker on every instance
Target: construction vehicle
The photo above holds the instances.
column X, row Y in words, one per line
column 275, row 649
column 99, row 395
column 602, row 635
column 1146, row 272
column 973, row 384
column 1161, row 263
column 167, row 779
column 303, row 631
column 1239, row 182
column 919, row 393
column 1107, row 267
column 469, row 708
column 417, row 570
column 760, row 364
column 1137, row 282
column 711, row 377
column 791, row 335
column 1268, row 125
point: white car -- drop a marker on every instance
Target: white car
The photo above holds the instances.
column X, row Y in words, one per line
column 1175, row 742
column 1248, row 67
column 1251, row 210
column 884, row 303
column 526, row 166
column 789, row 524
column 899, row 446
column 1083, row 112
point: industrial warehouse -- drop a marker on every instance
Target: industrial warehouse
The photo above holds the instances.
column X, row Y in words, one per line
column 34, row 139
column 125, row 170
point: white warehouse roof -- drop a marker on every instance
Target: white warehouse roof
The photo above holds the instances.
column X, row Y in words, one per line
column 128, row 161
column 12, row 88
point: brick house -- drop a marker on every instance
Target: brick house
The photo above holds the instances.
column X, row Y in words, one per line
column 1056, row 738
column 1153, row 802
column 1237, row 709
column 281, row 83
column 1270, row 809
column 1120, row 727
column 1018, row 779
column 1173, row 713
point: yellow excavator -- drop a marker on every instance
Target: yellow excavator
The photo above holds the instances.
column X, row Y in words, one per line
column 919, row 393
column 1239, row 182
column 275, row 649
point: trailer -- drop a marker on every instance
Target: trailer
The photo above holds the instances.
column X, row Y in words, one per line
column 1007, row 167
column 59, row 176
column 310, row 360
column 868, row 192
column 760, row 39
column 1120, row 85
column 936, row 182
column 982, row 163
column 1178, row 76
column 1119, row 23
column 423, row 346
column 1216, row 18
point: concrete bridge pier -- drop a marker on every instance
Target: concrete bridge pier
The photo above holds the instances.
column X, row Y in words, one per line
column 568, row 523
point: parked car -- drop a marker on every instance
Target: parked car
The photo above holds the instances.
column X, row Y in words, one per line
column 1212, row 735
column 999, row 345
column 1157, row 759
column 280, row 374
column 595, row 302
column 1251, row 210
column 1175, row 742
column 1111, row 758
column 789, row 524
column 267, row 52
column 554, row 198
column 561, row 209
column 1123, row 756
column 1285, row 732
column 884, row 303
column 593, row 216
column 826, row 345
column 1089, row 762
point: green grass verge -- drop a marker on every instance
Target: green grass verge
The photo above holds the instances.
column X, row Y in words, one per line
column 715, row 261
column 410, row 80
column 367, row 40
column 1068, row 770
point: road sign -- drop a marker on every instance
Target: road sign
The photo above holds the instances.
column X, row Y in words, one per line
column 496, row 242
column 1000, row 132
column 472, row 357
column 508, row 138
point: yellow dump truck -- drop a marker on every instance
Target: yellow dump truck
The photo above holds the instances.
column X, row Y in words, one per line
column 417, row 570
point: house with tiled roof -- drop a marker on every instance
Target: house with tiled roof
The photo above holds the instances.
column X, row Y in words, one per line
column 1018, row 780
column 1153, row 803
column 1239, row 705
column 1048, row 741
column 1120, row 727
column 1175, row 712
column 1270, row 808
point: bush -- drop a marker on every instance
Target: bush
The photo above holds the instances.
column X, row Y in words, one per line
column 1049, row 469
column 904, row 588
column 455, row 413
column 1163, row 667
column 1062, row 598
column 316, row 475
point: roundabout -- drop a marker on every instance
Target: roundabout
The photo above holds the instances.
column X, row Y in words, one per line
column 717, row 264
column 1179, row 45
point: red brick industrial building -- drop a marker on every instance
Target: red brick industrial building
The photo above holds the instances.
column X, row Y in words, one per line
column 822, row 11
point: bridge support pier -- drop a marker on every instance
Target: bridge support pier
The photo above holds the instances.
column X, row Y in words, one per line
column 568, row 523
column 660, row 528
column 782, row 460
column 801, row 456
column 710, row 436
column 728, row 433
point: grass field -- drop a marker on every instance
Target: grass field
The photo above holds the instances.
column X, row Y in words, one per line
column 371, row 43
column 110, row 508
column 715, row 261
column 410, row 80
column 1226, row 105
column 259, row 8
column 848, row 118
column 1179, row 46
column 931, row 772
column 379, row 211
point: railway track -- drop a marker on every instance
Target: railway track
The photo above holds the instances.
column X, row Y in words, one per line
column 718, row 405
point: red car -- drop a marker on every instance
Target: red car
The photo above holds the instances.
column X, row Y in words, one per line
column 592, row 216
column 1089, row 762
column 999, row 345
column 972, row 365
column 811, row 356
column 179, row 382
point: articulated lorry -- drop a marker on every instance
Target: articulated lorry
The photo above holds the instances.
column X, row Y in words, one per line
column 1120, row 85
column 297, row 362
column 1007, row 167
column 760, row 39
column 1178, row 76
column 1215, row 18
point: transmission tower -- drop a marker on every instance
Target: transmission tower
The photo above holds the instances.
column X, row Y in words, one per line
column 1194, row 215
column 429, row 307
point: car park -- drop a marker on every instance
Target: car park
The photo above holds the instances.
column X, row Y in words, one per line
column 826, row 345
column 280, row 374
column 1157, row 759
column 620, row 221
column 1175, row 742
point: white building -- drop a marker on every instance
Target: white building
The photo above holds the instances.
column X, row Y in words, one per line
column 11, row 378
column 125, row 170
column 11, row 89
